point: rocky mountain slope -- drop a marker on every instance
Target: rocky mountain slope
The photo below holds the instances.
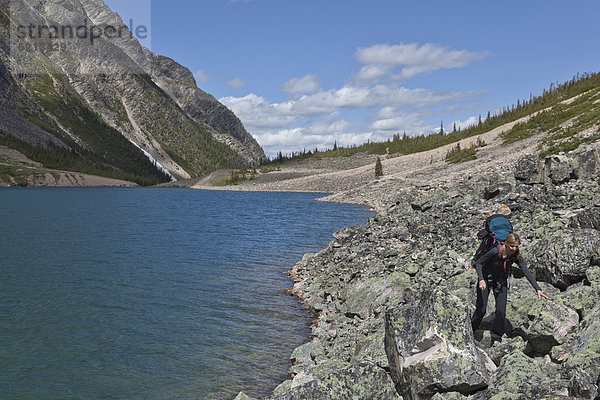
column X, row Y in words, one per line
column 393, row 298
column 107, row 101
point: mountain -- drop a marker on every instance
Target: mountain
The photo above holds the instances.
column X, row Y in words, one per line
column 78, row 92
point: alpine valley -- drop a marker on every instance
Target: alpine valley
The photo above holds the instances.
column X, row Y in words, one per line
column 81, row 98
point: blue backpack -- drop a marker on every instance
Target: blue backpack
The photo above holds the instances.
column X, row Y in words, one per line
column 496, row 229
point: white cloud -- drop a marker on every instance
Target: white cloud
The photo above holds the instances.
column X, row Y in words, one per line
column 201, row 77
column 372, row 73
column 305, row 122
column 328, row 127
column 462, row 124
column 362, row 97
column 306, row 138
column 236, row 83
column 306, row 84
column 390, row 120
column 412, row 59
column 367, row 107
column 257, row 113
column 398, row 123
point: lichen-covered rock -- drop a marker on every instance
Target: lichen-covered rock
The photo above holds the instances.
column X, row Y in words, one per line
column 365, row 296
column 593, row 276
column 580, row 298
column 558, row 169
column 507, row 346
column 348, row 233
column 550, row 324
column 542, row 323
column 243, row 396
column 587, row 162
column 563, row 257
column 372, row 349
column 526, row 169
column 582, row 362
column 521, row 377
column 462, row 285
column 306, row 355
column 496, row 189
column 430, row 347
column 362, row 381
column 589, row 218
column 449, row 396
column 426, row 201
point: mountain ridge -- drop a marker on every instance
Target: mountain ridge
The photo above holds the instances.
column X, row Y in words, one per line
column 60, row 96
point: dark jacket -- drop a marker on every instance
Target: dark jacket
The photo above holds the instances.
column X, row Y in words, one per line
column 491, row 266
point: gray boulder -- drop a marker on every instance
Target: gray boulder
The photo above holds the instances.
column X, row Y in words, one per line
column 563, row 257
column 366, row 297
column 580, row 298
column 243, row 396
column 338, row 381
column 587, row 162
column 507, row 346
column 583, row 358
column 430, row 347
column 527, row 170
column 542, row 323
column 593, row 276
column 589, row 218
column 346, row 234
column 496, row 189
column 550, row 324
column 558, row 169
column 521, row 377
column 305, row 355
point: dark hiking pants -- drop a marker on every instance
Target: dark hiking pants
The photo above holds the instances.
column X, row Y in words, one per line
column 500, row 289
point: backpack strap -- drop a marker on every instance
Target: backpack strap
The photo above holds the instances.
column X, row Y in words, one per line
column 500, row 254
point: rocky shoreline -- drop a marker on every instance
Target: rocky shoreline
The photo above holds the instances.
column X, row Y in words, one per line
column 394, row 298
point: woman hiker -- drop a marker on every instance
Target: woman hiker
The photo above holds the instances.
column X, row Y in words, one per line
column 493, row 269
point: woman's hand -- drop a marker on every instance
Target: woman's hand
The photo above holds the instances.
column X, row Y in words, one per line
column 483, row 285
column 542, row 294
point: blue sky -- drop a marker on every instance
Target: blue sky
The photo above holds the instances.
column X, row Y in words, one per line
column 305, row 74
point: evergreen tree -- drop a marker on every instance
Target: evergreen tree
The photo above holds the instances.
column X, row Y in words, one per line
column 378, row 168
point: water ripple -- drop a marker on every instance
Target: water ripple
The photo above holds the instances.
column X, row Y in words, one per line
column 153, row 293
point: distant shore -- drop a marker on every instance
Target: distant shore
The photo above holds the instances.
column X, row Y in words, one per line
column 352, row 179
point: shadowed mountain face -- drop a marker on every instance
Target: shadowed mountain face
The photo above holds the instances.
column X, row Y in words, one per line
column 74, row 78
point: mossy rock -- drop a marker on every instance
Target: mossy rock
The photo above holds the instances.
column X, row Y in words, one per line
column 522, row 377
column 580, row 298
column 332, row 380
column 431, row 349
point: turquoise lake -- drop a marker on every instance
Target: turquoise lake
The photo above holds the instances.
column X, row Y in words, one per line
column 153, row 293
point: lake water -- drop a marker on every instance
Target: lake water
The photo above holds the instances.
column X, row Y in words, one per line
column 153, row 293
